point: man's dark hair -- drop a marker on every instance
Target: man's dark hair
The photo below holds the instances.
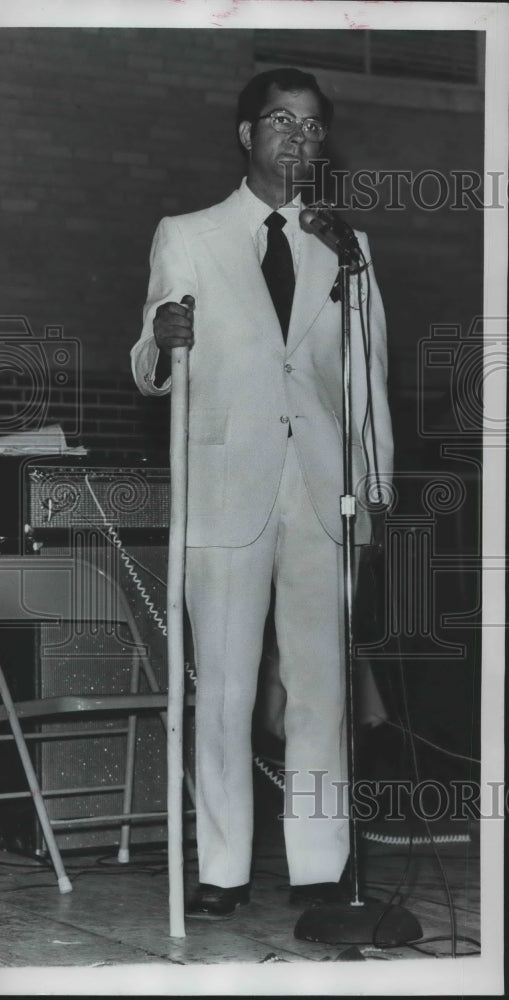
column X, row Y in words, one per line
column 254, row 96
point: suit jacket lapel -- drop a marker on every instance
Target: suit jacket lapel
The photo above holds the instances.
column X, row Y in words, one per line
column 234, row 252
column 317, row 271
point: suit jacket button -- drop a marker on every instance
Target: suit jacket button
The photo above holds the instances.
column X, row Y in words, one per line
column 288, row 368
column 284, row 420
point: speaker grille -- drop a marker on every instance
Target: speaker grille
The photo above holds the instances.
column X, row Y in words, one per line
column 59, row 497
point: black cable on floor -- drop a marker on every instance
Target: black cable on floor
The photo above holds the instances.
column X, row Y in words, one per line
column 423, row 899
column 434, row 954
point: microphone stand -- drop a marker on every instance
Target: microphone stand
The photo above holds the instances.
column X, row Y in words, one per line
column 360, row 921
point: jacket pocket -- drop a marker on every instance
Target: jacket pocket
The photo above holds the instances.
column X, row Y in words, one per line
column 207, row 461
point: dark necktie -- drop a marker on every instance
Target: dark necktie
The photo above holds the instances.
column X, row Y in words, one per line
column 277, row 267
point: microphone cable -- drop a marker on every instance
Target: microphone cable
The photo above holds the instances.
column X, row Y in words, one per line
column 366, row 340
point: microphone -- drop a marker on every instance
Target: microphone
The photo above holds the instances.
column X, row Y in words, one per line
column 333, row 231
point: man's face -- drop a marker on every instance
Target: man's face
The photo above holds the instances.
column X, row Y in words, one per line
column 274, row 155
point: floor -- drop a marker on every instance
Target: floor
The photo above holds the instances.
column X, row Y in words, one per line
column 118, row 915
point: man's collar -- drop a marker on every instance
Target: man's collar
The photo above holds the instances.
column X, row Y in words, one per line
column 256, row 210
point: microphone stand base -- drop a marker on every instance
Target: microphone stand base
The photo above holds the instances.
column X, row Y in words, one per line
column 370, row 922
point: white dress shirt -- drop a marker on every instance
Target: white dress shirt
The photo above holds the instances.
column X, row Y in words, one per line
column 255, row 211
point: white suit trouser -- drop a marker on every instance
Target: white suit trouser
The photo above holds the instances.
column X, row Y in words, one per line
column 228, row 594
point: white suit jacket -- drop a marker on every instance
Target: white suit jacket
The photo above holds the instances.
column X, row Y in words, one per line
column 244, row 381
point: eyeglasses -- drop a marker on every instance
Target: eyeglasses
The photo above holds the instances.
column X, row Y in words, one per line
column 283, row 121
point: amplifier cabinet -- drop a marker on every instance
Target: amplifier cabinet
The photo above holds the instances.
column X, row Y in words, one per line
column 124, row 533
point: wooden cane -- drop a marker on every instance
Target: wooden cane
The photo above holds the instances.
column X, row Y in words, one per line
column 175, row 620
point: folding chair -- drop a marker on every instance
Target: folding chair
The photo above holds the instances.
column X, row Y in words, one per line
column 51, row 590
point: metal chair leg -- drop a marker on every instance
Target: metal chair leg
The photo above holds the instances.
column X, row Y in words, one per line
column 141, row 663
column 64, row 884
column 125, row 831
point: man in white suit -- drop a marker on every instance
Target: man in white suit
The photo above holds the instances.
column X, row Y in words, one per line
column 265, row 478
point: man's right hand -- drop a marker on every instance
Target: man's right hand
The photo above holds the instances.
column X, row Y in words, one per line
column 173, row 325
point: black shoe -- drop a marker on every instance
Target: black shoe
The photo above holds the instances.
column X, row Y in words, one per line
column 317, row 893
column 212, row 902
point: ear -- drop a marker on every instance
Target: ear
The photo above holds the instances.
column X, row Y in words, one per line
column 245, row 135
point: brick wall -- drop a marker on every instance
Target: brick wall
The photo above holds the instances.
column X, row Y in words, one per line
column 105, row 131
column 108, row 415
